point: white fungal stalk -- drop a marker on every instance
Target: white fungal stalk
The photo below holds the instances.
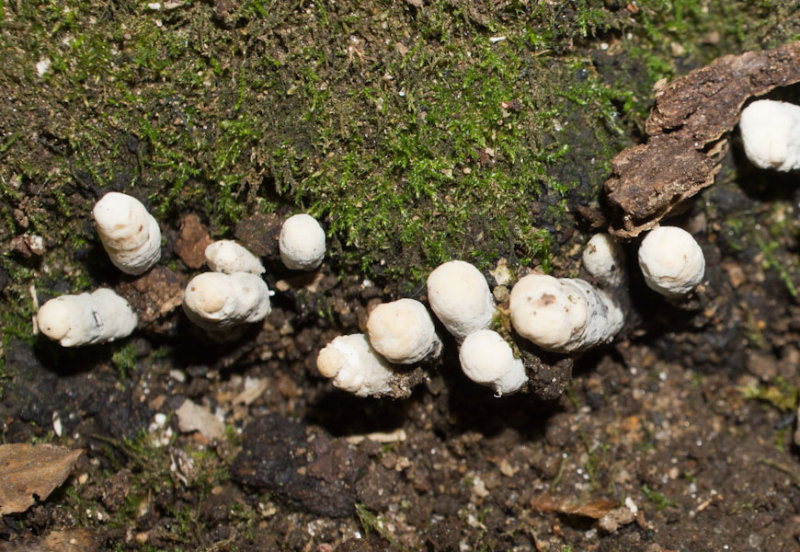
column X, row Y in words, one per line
column 228, row 256
column 603, row 258
column 563, row 315
column 672, row 262
column 216, row 301
column 771, row 134
column 403, row 332
column 460, row 298
column 487, row 359
column 302, row 243
column 354, row 366
column 130, row 235
column 85, row 319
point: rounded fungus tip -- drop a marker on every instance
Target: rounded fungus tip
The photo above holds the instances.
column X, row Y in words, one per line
column 228, row 256
column 53, row 319
column 672, row 262
column 603, row 259
column 354, row 366
column 771, row 134
column 302, row 243
column 129, row 234
column 403, row 332
column 217, row 301
column 460, row 297
column 486, row 358
column 562, row 314
column 87, row 318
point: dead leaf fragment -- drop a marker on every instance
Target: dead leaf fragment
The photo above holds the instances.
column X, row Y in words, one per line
column 28, row 472
column 595, row 509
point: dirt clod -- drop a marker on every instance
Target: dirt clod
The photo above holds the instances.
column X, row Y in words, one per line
column 312, row 472
column 192, row 241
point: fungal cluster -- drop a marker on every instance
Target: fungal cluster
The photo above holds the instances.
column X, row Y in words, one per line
column 220, row 301
column 542, row 313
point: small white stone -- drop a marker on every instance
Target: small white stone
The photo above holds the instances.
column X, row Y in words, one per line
column 43, row 66
column 403, row 332
column 130, row 235
column 672, row 262
column 193, row 417
column 302, row 243
column 459, row 296
column 228, row 256
column 85, row 319
column 487, row 359
column 771, row 134
column 354, row 366
column 603, row 258
column 563, row 314
column 217, row 301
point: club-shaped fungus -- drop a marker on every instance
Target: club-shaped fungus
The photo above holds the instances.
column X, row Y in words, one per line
column 228, row 256
column 603, row 258
column 771, row 134
column 130, row 235
column 563, row 315
column 459, row 296
column 403, row 332
column 672, row 262
column 302, row 243
column 216, row 301
column 487, row 359
column 85, row 319
column 354, row 366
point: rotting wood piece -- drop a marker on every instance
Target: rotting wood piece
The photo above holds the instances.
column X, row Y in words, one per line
column 687, row 135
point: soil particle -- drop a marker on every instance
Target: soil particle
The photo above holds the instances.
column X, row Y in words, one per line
column 154, row 294
column 260, row 233
column 444, row 535
column 215, row 509
column 115, row 489
column 313, row 473
column 72, row 540
column 192, row 241
column 375, row 489
column 361, row 545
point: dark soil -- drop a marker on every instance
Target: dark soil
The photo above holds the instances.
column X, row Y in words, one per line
column 676, row 437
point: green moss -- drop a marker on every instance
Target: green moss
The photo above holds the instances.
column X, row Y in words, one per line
column 779, row 393
column 657, row 498
column 124, row 359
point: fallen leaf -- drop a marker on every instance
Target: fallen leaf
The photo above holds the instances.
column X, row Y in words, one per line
column 28, row 472
column 595, row 509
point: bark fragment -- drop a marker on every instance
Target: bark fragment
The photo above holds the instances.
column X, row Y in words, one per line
column 687, row 135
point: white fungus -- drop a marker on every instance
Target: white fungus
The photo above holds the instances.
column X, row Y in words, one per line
column 216, row 301
column 130, row 235
column 771, row 134
column 487, row 359
column 228, row 256
column 354, row 366
column 671, row 261
column 302, row 243
column 403, row 332
column 85, row 319
column 603, row 258
column 460, row 298
column 563, row 314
